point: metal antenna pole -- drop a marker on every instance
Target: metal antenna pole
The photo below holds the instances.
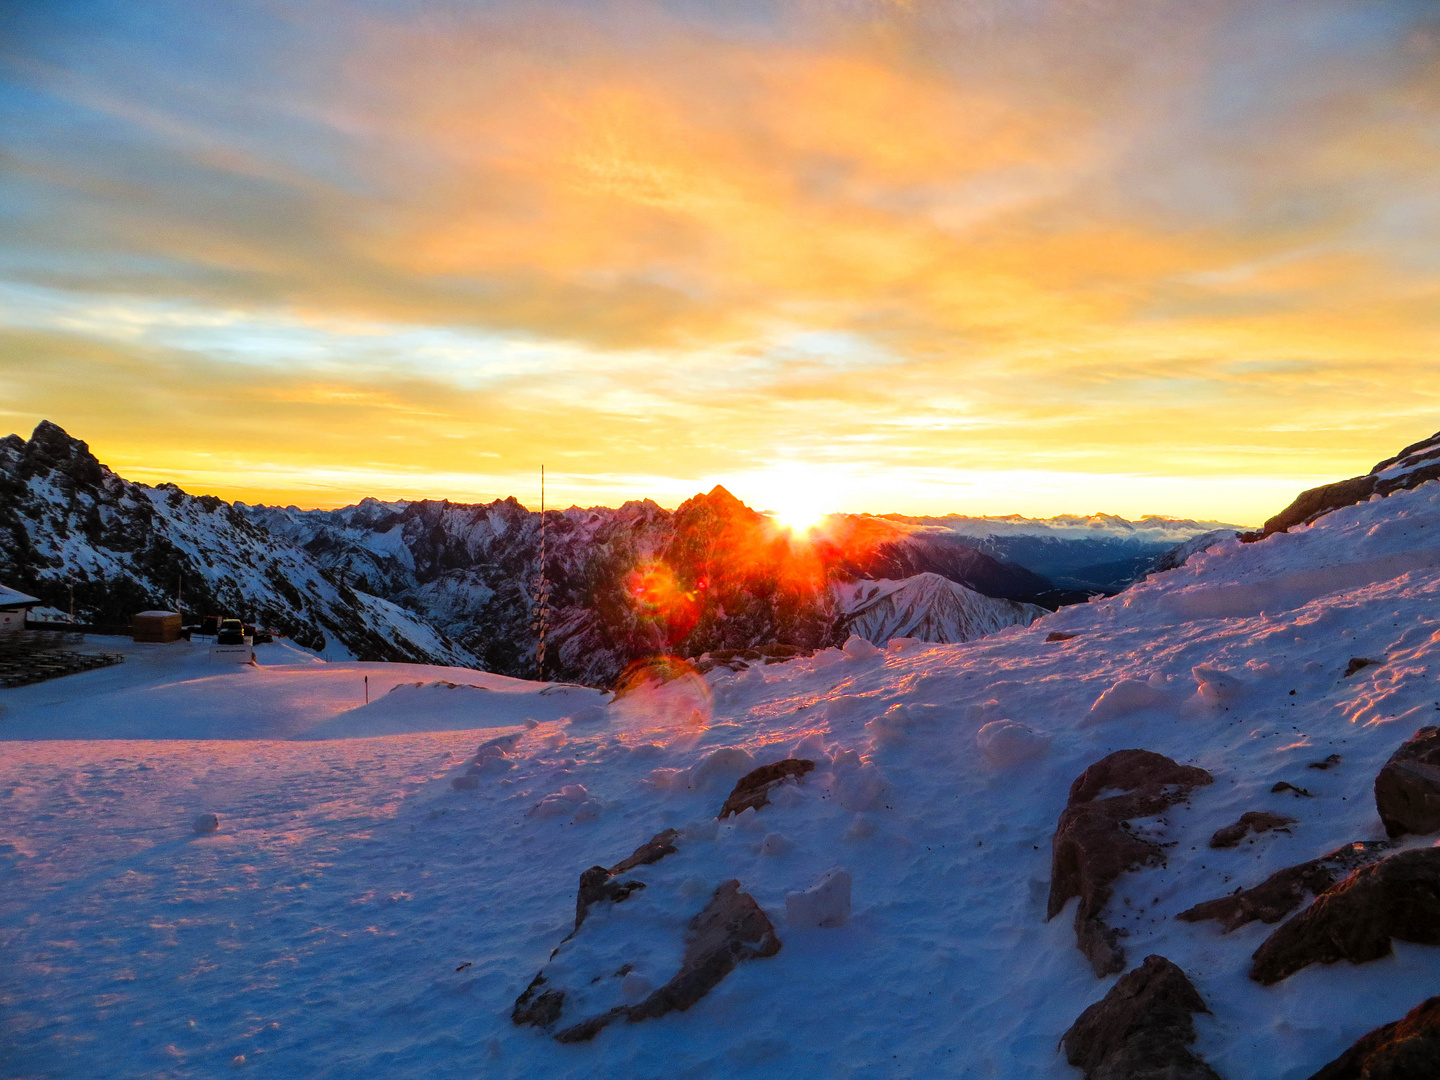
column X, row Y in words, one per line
column 542, row 592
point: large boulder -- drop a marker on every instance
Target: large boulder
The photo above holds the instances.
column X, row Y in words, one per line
column 1407, row 789
column 1141, row 1029
column 1091, row 846
column 732, row 928
column 1405, row 1049
column 1283, row 891
column 1355, row 920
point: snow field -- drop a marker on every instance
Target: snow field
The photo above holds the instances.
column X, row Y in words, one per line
column 319, row 930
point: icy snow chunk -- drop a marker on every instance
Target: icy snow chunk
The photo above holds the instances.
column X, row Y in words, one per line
column 205, row 823
column 857, row 648
column 565, row 801
column 491, row 765
column 705, row 829
column 811, row 747
column 787, row 796
column 899, row 644
column 588, row 716
column 824, row 904
column 589, row 810
column 776, row 844
column 1126, row 696
column 825, row 657
column 1215, row 686
column 1009, row 742
column 859, row 789
column 861, row 828
column 723, row 766
column 665, row 779
column 748, row 820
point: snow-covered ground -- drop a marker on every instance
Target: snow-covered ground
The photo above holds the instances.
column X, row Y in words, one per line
column 356, row 915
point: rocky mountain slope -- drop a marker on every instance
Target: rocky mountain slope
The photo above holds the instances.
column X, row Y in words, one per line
column 452, row 583
column 1415, row 465
column 1099, row 553
column 927, row 607
column 629, row 582
column 68, row 523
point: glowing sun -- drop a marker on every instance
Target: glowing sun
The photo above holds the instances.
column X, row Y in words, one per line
column 798, row 497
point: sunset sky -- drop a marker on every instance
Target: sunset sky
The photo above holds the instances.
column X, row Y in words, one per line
column 984, row 256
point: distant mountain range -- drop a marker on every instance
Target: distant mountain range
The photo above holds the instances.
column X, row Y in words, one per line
column 455, row 583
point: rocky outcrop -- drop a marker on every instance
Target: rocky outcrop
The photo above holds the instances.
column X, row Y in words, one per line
column 1410, row 468
column 731, row 929
column 625, row 583
column 1092, row 845
column 1283, row 891
column 1141, row 1029
column 69, row 526
column 1256, row 821
column 1355, row 919
column 752, row 791
column 1406, row 1049
column 540, row 1005
column 1407, row 788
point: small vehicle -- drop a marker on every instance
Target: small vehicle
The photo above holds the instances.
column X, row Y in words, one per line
column 232, row 632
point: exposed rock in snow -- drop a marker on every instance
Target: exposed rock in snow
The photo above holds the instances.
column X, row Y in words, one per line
column 652, row 851
column 752, row 791
column 1415, row 465
column 1141, row 1029
column 1407, row 789
column 1283, row 891
column 824, row 904
column 1091, row 848
column 731, row 929
column 926, row 607
column 1256, row 821
column 1397, row 897
column 1406, row 1049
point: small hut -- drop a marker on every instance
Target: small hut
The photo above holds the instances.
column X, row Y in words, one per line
column 13, row 607
column 156, row 626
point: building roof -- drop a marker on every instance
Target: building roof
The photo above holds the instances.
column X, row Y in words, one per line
column 14, row 598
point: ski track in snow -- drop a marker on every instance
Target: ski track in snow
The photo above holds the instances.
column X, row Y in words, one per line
column 319, row 931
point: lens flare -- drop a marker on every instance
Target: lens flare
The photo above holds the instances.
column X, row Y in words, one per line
column 661, row 692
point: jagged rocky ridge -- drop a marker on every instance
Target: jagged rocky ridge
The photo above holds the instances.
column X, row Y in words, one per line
column 1413, row 466
column 638, row 580
column 68, row 522
column 454, row 583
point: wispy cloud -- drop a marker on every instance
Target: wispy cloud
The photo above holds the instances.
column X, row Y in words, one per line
column 1120, row 238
